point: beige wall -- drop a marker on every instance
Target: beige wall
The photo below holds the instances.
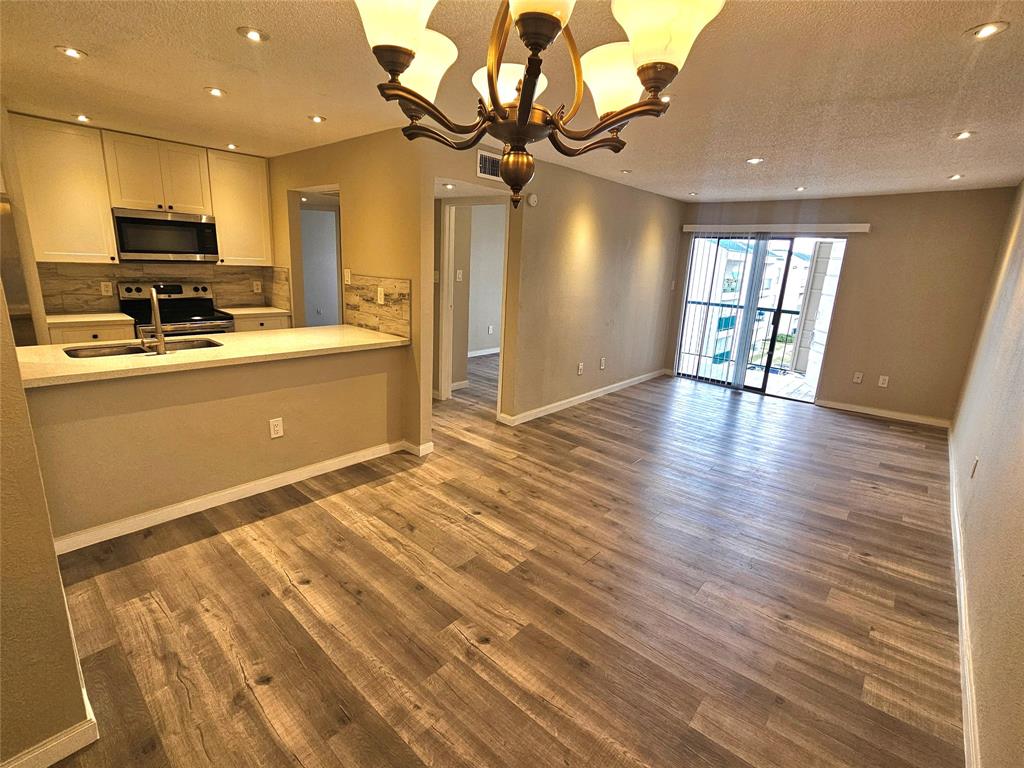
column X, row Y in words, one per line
column 162, row 439
column 40, row 687
column 589, row 275
column 385, row 216
column 911, row 294
column 990, row 426
column 487, row 264
column 462, row 253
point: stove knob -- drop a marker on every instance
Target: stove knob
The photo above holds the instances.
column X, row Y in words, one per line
column 205, row 289
column 195, row 288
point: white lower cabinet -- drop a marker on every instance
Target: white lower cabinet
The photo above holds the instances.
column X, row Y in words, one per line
column 262, row 323
column 83, row 333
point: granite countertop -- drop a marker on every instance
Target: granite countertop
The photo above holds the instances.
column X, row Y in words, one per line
column 47, row 365
column 89, row 318
column 256, row 311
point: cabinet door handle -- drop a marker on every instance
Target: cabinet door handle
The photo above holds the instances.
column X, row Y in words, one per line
column 113, row 258
column 159, row 205
column 95, row 335
column 261, row 325
column 170, row 207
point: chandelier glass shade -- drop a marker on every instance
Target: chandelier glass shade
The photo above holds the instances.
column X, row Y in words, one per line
column 625, row 79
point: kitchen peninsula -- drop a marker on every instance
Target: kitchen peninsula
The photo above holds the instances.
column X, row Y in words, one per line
column 128, row 441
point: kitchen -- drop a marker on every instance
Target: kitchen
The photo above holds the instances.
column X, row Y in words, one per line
column 165, row 326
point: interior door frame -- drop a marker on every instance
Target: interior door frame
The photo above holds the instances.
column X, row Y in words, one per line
column 446, row 306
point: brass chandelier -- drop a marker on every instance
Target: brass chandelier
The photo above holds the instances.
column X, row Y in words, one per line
column 660, row 32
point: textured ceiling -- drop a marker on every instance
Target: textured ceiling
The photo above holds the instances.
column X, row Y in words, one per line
column 843, row 98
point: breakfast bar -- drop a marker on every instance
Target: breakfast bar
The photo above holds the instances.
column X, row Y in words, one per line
column 126, row 441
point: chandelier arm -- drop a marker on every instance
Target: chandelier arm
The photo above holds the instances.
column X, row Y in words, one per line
column 614, row 143
column 495, row 52
column 409, row 97
column 530, row 78
column 417, row 131
column 613, row 121
column 577, row 73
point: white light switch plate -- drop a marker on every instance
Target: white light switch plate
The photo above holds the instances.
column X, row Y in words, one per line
column 380, row 294
column 106, row 288
column 579, row 369
column 458, row 275
column 348, row 277
column 604, row 363
column 277, row 427
column 883, row 381
column 490, row 330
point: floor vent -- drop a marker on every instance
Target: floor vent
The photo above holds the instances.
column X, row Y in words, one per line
column 487, row 165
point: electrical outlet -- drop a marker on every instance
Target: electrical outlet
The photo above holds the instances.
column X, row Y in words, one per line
column 458, row 275
column 348, row 277
column 380, row 294
column 277, row 427
column 604, row 363
column 257, row 286
column 579, row 369
column 106, row 288
column 490, row 330
column 974, row 466
column 883, row 381
column 858, row 377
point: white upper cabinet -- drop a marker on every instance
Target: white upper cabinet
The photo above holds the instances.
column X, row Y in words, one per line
column 62, row 186
column 186, row 178
column 156, row 175
column 241, row 203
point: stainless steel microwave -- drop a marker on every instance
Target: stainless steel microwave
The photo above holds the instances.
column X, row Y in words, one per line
column 164, row 236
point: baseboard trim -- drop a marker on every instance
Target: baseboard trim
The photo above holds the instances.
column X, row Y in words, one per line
column 59, row 746
column 913, row 418
column 544, row 410
column 107, row 531
column 459, row 385
column 417, row 450
column 483, row 352
column 972, row 755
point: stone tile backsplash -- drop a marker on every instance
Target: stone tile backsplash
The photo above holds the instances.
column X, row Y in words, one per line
column 71, row 288
column 393, row 316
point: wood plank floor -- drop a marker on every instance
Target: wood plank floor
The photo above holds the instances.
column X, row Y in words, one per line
column 672, row 575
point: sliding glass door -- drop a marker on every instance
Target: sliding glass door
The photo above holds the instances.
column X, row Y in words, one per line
column 755, row 314
column 716, row 295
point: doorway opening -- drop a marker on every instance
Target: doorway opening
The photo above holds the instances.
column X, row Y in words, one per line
column 320, row 229
column 471, row 234
column 757, row 311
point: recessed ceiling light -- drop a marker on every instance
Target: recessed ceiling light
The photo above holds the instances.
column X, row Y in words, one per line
column 232, row 146
column 956, row 177
column 962, row 135
column 627, row 170
column 214, row 91
column 317, row 118
column 82, row 118
column 71, row 53
column 755, row 160
column 800, row 189
column 988, row 29
column 666, row 99
column 304, row 199
column 449, row 186
column 693, row 194
column 253, row 34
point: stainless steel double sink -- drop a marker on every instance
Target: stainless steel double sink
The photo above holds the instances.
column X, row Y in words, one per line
column 112, row 350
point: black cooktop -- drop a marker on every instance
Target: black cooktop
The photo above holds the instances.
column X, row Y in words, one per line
column 173, row 310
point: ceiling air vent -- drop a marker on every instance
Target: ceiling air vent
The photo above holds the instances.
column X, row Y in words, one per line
column 488, row 165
